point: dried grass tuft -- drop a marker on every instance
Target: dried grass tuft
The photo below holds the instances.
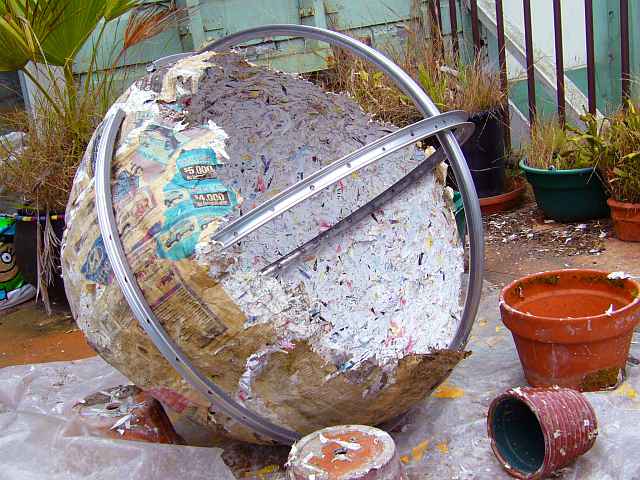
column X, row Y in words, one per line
column 150, row 20
column 550, row 147
column 451, row 84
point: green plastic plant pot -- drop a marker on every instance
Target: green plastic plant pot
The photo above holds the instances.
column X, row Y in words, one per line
column 461, row 221
column 568, row 195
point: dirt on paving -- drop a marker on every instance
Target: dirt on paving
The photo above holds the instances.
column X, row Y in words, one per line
column 527, row 230
column 28, row 335
column 521, row 242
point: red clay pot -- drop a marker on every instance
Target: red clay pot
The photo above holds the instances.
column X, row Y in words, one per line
column 564, row 331
column 536, row 431
column 626, row 220
column 504, row 202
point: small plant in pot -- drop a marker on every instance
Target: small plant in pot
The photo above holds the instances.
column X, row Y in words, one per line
column 452, row 85
column 475, row 89
column 621, row 169
column 560, row 164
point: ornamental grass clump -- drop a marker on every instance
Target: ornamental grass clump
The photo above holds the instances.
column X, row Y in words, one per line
column 550, row 148
column 451, row 83
column 620, row 163
column 46, row 37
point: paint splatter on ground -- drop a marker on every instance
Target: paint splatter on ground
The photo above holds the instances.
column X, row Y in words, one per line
column 447, row 390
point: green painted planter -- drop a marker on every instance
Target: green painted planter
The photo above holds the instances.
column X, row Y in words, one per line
column 461, row 221
column 568, row 195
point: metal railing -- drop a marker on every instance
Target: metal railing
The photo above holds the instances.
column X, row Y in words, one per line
column 591, row 94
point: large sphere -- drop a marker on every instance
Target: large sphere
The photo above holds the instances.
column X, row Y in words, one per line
column 354, row 331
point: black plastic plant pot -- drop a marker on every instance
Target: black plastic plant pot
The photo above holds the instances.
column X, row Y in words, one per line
column 26, row 247
column 568, row 195
column 485, row 154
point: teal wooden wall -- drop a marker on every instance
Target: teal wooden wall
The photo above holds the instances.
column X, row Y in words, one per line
column 377, row 22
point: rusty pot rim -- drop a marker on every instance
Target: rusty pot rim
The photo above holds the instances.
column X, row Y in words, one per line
column 623, row 205
column 519, row 187
column 572, row 320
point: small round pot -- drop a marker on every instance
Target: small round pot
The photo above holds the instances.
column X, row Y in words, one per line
column 626, row 220
column 505, row 202
column 568, row 195
column 345, row 452
column 571, row 328
column 536, row 431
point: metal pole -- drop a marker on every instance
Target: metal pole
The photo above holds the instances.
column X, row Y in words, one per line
column 557, row 28
column 624, row 51
column 504, row 80
column 531, row 79
column 591, row 57
column 475, row 27
column 453, row 20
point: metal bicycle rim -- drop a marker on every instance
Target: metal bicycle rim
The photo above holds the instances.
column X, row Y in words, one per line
column 133, row 294
column 428, row 109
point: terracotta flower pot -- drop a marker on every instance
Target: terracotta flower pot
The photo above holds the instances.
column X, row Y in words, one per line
column 626, row 220
column 572, row 328
column 504, row 202
column 536, row 431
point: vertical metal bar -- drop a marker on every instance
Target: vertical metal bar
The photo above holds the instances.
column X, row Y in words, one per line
column 504, row 80
column 436, row 33
column 434, row 13
column 531, row 79
column 475, row 27
column 557, row 28
column 591, row 56
column 624, row 50
column 453, row 20
column 439, row 14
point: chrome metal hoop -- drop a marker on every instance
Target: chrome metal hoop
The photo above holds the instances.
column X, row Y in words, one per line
column 428, row 109
column 441, row 125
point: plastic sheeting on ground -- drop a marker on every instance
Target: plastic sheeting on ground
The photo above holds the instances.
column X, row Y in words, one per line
column 444, row 438
column 41, row 438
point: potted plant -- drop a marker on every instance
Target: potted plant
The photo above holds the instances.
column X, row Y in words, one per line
column 515, row 186
column 452, row 85
column 572, row 328
column 475, row 89
column 621, row 170
column 42, row 40
column 560, row 164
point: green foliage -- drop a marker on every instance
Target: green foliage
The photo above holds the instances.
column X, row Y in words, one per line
column 612, row 145
column 621, row 162
column 553, row 147
column 451, row 84
column 48, row 35
column 590, row 145
column 51, row 31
